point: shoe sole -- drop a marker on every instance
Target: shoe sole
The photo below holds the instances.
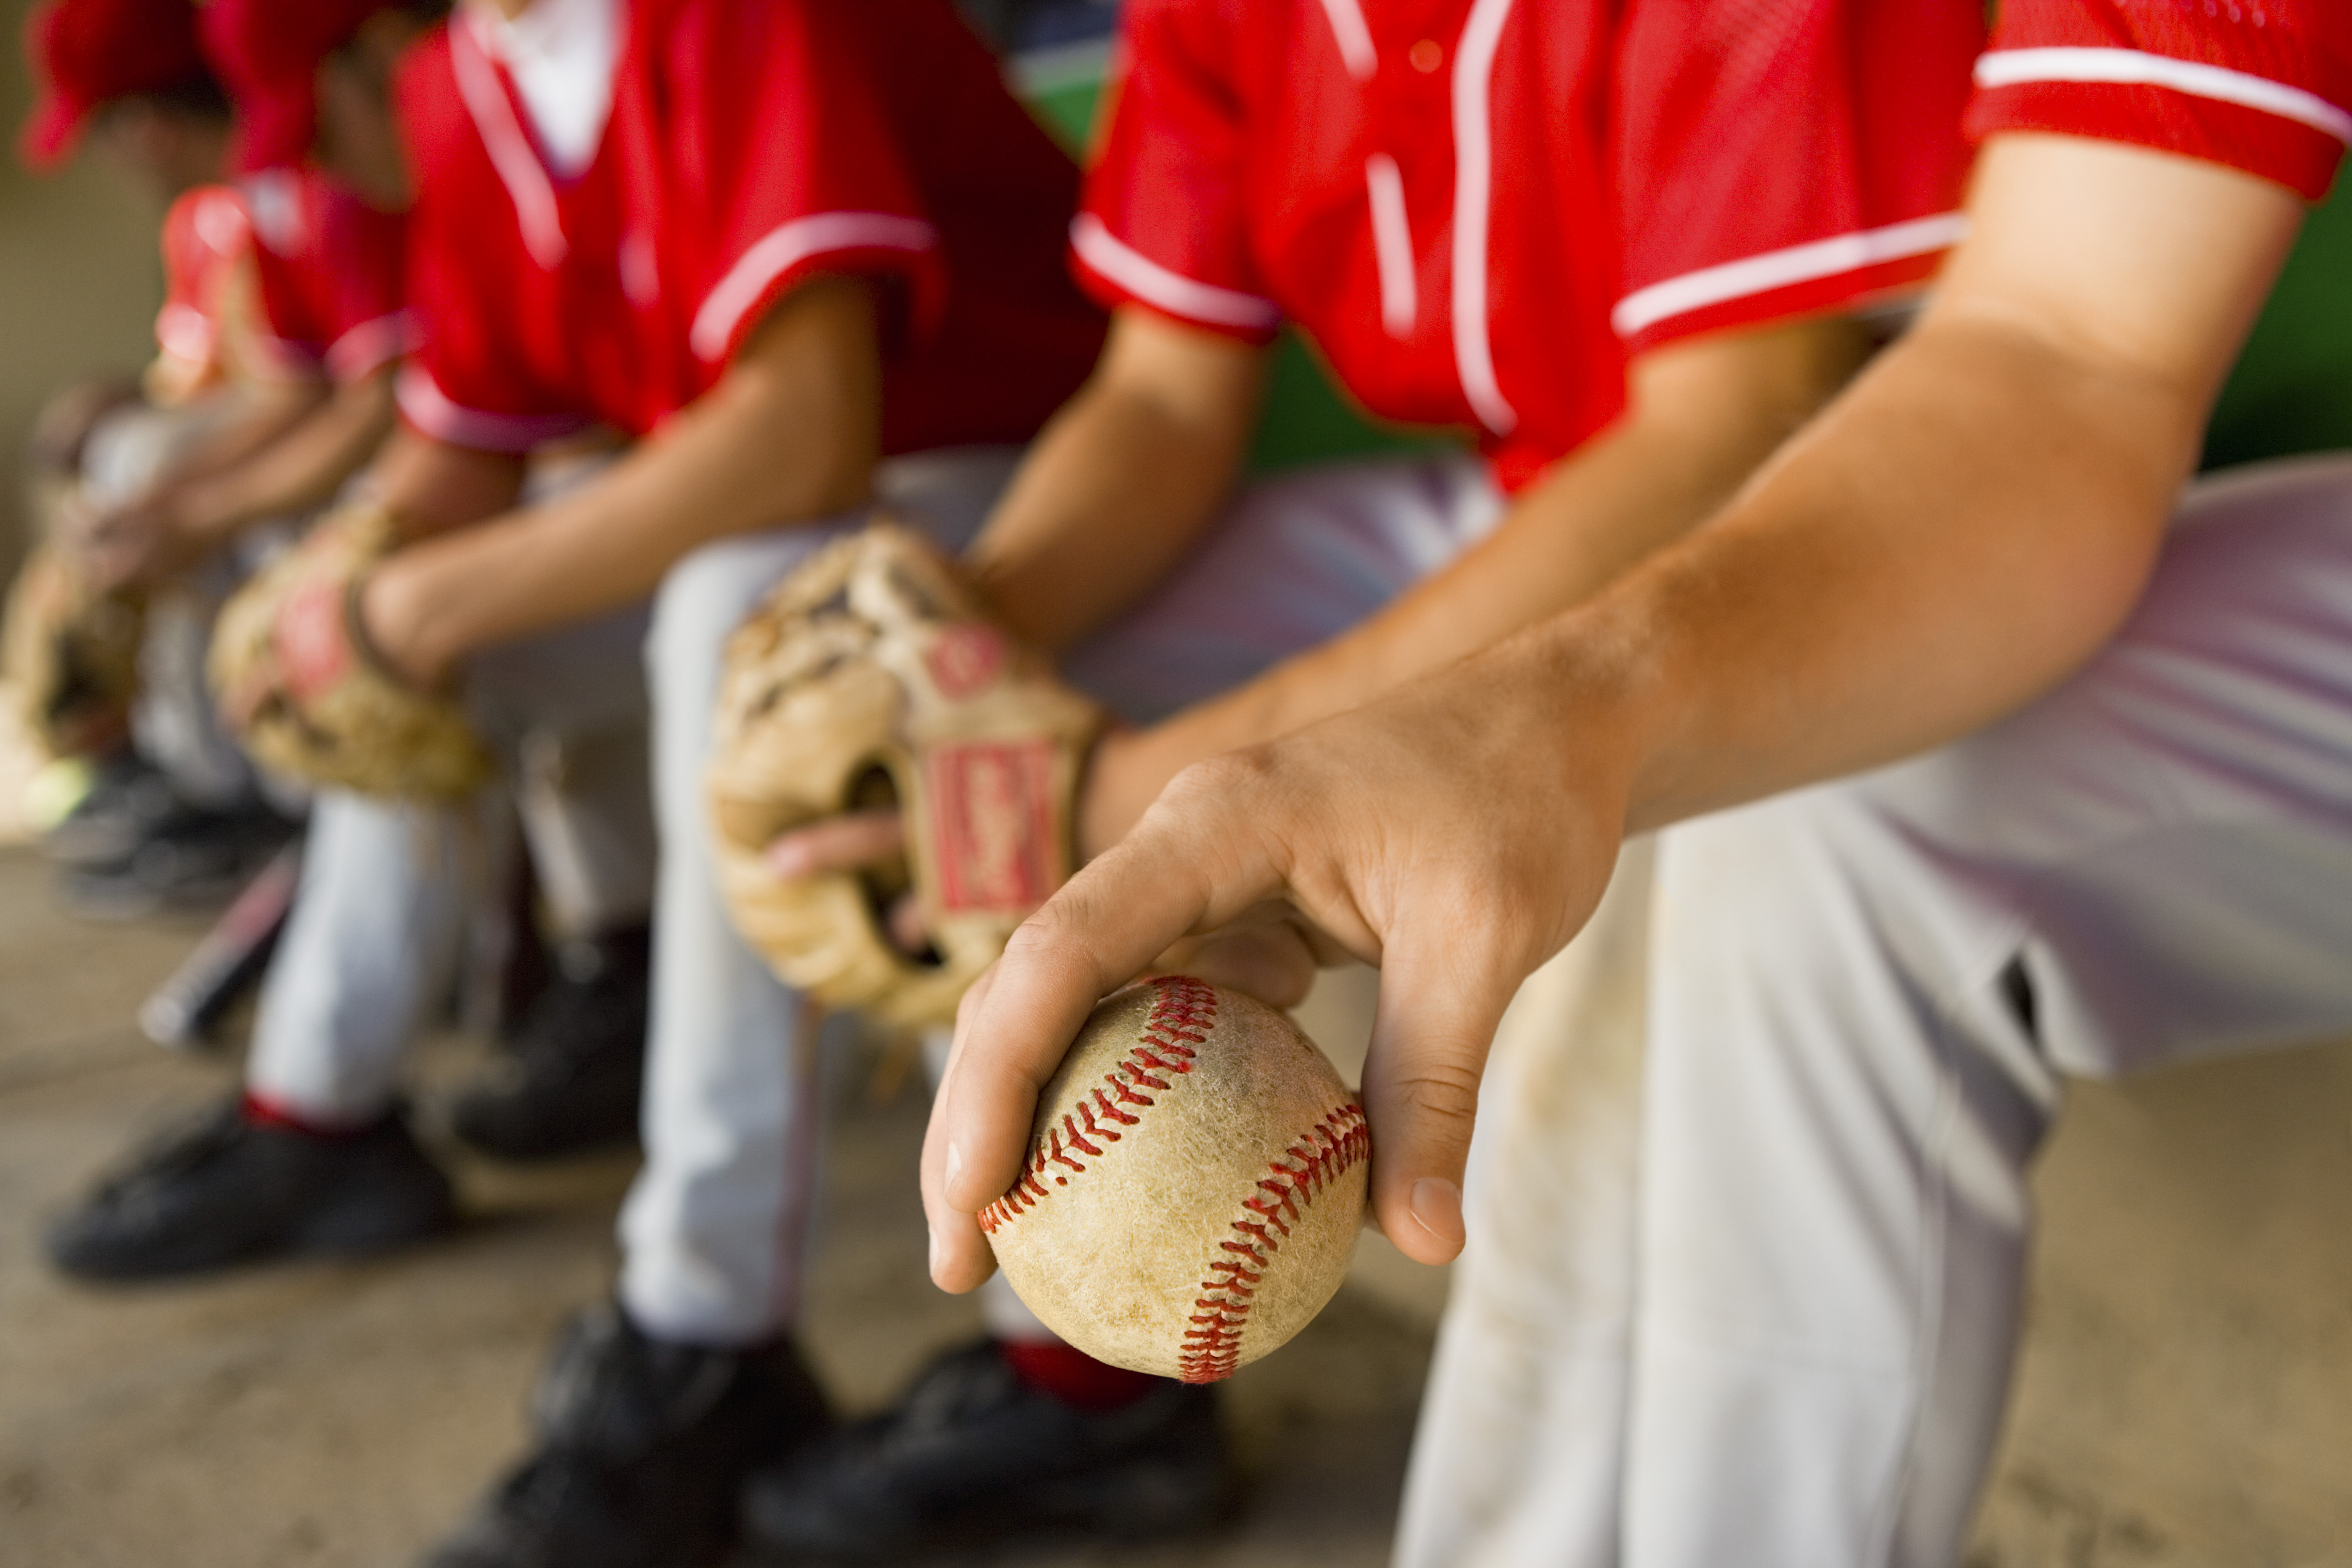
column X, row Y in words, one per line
column 345, row 1234
column 1145, row 1503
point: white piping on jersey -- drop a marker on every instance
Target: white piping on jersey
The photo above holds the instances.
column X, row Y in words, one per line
column 273, row 208
column 222, row 222
column 2136, row 67
column 368, row 346
column 185, row 332
column 1473, row 193
column 428, row 407
column 511, row 153
column 1170, row 291
column 1355, row 39
column 1392, row 245
column 1779, row 268
column 562, row 55
column 785, row 246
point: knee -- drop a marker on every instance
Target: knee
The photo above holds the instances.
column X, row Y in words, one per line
column 703, row 598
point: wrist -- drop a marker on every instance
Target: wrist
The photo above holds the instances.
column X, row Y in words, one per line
column 1614, row 716
column 393, row 624
column 200, row 514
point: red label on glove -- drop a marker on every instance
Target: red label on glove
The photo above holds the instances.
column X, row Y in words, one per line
column 314, row 651
column 964, row 659
column 992, row 826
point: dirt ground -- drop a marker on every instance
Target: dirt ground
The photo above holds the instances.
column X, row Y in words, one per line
column 2182, row 1401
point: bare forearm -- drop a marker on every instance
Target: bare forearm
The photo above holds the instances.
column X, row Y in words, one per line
column 790, row 435
column 1852, row 610
column 1704, row 417
column 1978, row 515
column 268, row 413
column 1121, row 482
column 302, row 469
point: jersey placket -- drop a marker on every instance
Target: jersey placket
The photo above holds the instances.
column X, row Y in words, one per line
column 1425, row 71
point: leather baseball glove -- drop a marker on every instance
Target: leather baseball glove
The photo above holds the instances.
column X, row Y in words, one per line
column 71, row 655
column 873, row 671
column 305, row 695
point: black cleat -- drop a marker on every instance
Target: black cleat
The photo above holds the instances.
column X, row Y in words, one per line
column 129, row 797
column 643, row 1447
column 971, row 1454
column 224, row 1190
column 573, row 1073
column 191, row 858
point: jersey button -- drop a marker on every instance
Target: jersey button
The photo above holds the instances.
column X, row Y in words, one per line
column 1426, row 56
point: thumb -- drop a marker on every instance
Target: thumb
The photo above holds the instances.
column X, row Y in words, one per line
column 1436, row 1020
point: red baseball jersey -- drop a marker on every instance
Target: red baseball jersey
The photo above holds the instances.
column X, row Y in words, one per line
column 206, row 238
column 2264, row 86
column 750, row 145
column 1475, row 207
column 333, row 273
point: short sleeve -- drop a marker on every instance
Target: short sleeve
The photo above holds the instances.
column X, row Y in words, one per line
column 1780, row 157
column 331, row 275
column 1164, row 222
column 2262, row 86
column 777, row 113
column 206, row 238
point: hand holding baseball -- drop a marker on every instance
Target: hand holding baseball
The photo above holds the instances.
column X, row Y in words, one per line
column 1194, row 1184
column 1409, row 832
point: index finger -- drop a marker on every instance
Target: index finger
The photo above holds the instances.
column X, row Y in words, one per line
column 1173, row 876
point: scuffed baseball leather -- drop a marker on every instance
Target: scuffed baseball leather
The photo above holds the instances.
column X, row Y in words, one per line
column 876, row 654
column 1194, row 1184
column 307, row 698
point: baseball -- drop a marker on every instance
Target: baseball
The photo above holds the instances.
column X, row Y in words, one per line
column 1194, row 1187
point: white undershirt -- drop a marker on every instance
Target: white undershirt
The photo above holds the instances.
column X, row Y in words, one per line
column 562, row 55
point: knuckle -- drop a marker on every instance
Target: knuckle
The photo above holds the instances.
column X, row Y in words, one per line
column 1040, row 938
column 1446, row 1090
column 1225, row 781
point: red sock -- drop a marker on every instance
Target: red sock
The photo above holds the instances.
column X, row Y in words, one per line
column 1073, row 1376
column 263, row 1112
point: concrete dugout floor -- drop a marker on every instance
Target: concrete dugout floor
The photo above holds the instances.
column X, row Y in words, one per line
column 2185, row 1398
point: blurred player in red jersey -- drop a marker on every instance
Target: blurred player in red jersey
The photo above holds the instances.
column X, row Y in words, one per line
column 2133, row 847
column 314, row 1154
column 1622, row 249
column 799, row 254
column 127, row 76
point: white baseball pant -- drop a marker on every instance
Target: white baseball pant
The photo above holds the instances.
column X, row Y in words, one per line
column 387, row 886
column 173, row 720
column 716, row 1228
column 1516, row 1457
column 1862, row 1000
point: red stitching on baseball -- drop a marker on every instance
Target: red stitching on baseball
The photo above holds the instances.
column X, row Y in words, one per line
column 1212, row 1345
column 1182, row 1012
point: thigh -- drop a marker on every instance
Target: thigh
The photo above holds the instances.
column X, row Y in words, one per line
column 576, row 679
column 2168, row 835
column 1296, row 560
